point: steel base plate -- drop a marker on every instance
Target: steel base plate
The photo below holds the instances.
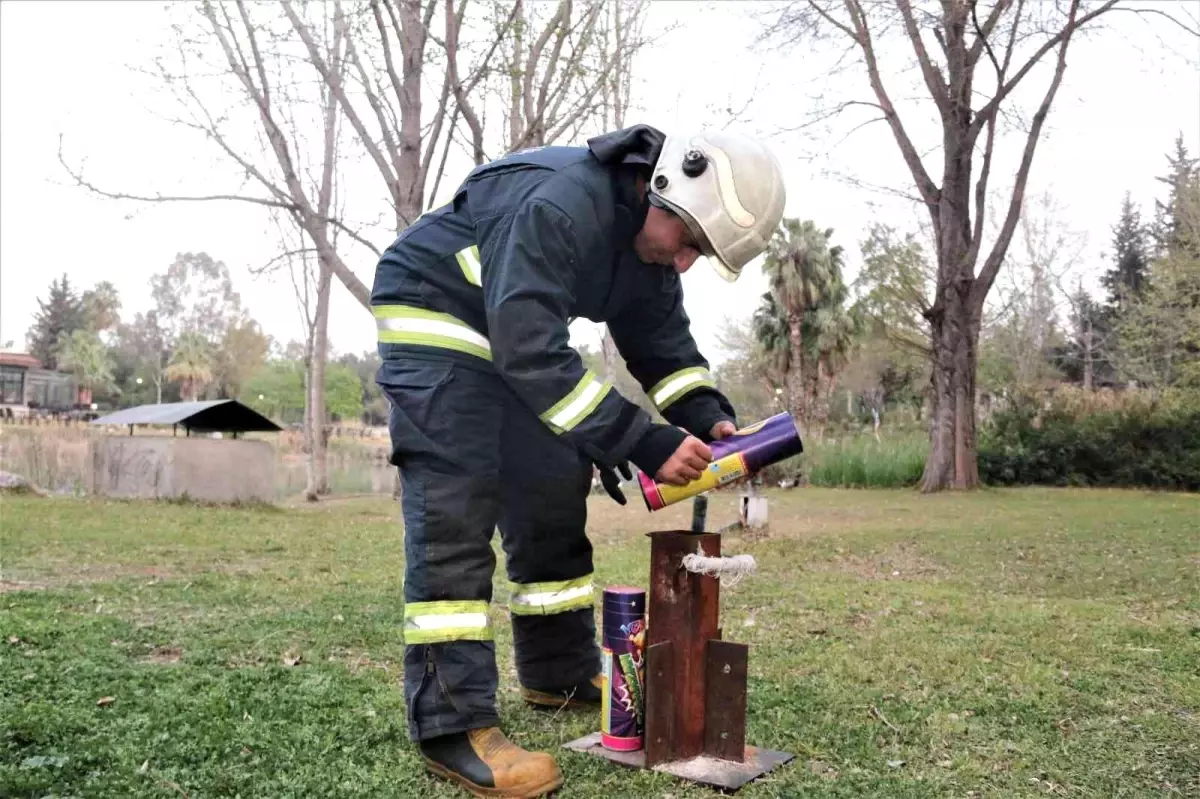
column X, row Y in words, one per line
column 724, row 774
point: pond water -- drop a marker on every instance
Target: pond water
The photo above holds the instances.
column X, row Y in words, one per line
column 346, row 476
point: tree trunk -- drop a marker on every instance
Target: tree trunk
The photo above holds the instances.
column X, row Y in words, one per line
column 828, row 381
column 952, row 461
column 318, row 474
column 1087, row 356
column 817, row 387
column 794, row 378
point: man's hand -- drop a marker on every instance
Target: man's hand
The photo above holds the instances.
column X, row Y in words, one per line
column 686, row 464
column 722, row 430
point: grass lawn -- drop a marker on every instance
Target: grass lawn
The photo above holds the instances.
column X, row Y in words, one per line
column 1008, row 643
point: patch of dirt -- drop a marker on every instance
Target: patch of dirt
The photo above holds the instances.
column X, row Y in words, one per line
column 21, row 585
column 85, row 575
column 357, row 662
column 63, row 575
column 898, row 562
column 163, row 656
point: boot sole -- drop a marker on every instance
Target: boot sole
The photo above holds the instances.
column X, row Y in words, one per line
column 506, row 793
column 552, row 702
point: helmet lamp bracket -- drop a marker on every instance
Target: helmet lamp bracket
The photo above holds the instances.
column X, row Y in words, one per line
column 694, row 163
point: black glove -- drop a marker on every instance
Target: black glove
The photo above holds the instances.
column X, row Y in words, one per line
column 608, row 478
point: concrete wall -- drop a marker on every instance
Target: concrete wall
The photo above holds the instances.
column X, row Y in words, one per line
column 154, row 467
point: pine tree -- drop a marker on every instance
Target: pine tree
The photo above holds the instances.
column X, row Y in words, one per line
column 1126, row 278
column 1181, row 173
column 1084, row 358
column 59, row 316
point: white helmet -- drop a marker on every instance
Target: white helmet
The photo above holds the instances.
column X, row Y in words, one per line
column 727, row 188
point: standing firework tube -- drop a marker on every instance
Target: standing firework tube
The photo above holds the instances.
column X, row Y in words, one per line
column 622, row 712
column 744, row 453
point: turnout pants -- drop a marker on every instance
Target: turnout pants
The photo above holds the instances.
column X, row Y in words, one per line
column 473, row 458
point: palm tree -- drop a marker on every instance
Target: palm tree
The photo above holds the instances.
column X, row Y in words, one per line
column 804, row 273
column 835, row 330
column 770, row 329
column 191, row 364
column 84, row 355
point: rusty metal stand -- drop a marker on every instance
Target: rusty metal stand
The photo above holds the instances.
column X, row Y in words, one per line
column 695, row 682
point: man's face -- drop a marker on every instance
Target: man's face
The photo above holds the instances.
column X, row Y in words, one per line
column 665, row 239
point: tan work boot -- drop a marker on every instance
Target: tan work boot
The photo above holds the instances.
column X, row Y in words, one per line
column 583, row 695
column 486, row 763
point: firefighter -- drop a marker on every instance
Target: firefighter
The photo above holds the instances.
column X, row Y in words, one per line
column 496, row 422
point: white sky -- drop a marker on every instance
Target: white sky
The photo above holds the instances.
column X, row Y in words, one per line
column 1128, row 91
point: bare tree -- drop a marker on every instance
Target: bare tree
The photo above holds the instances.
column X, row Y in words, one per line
column 948, row 44
column 257, row 96
column 567, row 69
column 382, row 95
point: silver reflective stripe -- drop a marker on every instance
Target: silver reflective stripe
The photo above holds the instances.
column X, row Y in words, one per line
column 676, row 385
column 468, row 261
column 476, row 621
column 435, row 327
column 451, row 620
column 552, row 597
column 403, row 324
column 574, row 408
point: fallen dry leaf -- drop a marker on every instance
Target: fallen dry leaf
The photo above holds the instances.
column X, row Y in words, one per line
column 105, row 700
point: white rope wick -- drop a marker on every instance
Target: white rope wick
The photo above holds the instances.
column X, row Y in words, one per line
column 732, row 568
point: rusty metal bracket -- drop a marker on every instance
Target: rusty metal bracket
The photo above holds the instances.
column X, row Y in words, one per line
column 695, row 682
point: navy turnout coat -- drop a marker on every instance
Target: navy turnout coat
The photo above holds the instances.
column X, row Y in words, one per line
column 530, row 242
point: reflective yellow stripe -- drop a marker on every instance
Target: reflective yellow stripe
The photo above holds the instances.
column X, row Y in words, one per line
column 437, row 622
column 401, row 324
column 468, row 261
column 674, row 386
column 574, row 408
column 543, row 599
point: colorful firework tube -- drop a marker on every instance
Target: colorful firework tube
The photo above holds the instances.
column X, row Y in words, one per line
column 623, row 706
column 742, row 454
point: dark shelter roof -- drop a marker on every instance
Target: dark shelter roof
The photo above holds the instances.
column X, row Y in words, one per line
column 225, row 416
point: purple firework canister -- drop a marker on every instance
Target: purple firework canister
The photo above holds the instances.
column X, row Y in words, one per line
column 742, row 454
column 622, row 714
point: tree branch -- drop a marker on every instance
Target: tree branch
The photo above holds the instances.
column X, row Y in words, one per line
column 1003, row 91
column 1140, row 11
column 340, row 225
column 373, row 99
column 304, row 213
column 930, row 193
column 460, row 95
column 991, row 267
column 569, row 75
column 335, row 83
column 989, row 147
column 933, row 78
column 165, row 198
column 984, row 31
column 825, row 15
column 559, row 22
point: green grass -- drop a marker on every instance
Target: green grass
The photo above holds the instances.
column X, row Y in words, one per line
column 863, row 462
column 1023, row 642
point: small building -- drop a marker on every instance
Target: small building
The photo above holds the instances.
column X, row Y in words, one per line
column 25, row 387
column 207, row 466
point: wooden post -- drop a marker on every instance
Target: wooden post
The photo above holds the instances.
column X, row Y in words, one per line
column 683, row 614
column 695, row 683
